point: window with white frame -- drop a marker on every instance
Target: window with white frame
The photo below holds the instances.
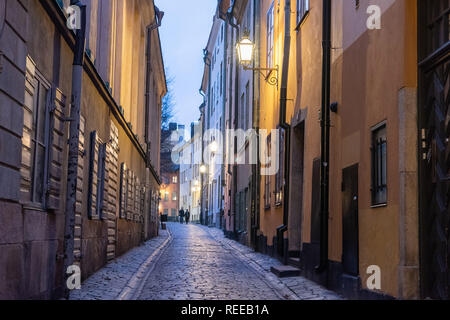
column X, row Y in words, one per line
column 302, row 10
column 270, row 25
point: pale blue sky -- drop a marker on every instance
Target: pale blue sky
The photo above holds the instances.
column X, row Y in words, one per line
column 184, row 34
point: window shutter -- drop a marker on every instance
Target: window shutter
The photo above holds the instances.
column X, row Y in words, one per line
column 55, row 137
column 92, row 182
column 130, row 202
column 123, row 191
column 101, row 179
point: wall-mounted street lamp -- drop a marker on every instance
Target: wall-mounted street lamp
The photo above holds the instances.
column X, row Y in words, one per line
column 245, row 49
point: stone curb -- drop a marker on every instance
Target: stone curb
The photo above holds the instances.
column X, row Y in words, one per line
column 135, row 285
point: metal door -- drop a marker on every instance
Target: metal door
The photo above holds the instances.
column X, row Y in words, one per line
column 434, row 153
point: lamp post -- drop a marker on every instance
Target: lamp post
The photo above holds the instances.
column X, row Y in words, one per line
column 245, row 49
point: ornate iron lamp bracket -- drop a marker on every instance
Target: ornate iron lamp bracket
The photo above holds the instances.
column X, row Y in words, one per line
column 269, row 74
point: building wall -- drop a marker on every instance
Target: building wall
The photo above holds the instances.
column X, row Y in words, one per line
column 373, row 80
column 31, row 240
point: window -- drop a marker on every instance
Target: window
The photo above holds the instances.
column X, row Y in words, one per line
column 174, row 179
column 97, row 158
column 279, row 178
column 123, row 200
column 267, row 177
column 379, row 165
column 166, row 196
column 270, row 18
column 174, row 196
column 166, row 212
column 35, row 139
column 302, row 10
column 174, row 212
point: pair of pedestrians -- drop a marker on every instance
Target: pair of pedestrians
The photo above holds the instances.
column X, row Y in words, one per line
column 184, row 216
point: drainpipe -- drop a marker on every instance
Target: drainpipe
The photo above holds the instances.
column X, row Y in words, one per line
column 202, row 112
column 235, row 124
column 283, row 124
column 224, row 94
column 325, row 140
column 209, row 64
column 158, row 18
column 74, row 138
column 256, row 110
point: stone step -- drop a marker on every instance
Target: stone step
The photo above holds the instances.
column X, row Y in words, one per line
column 285, row 271
column 295, row 262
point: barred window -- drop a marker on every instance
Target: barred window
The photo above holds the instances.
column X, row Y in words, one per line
column 302, row 10
column 379, row 165
column 267, row 177
column 279, row 178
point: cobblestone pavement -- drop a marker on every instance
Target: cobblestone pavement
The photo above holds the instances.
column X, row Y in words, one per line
column 115, row 278
column 299, row 287
column 201, row 263
column 193, row 262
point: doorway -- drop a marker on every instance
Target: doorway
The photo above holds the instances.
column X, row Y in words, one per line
column 350, row 230
column 434, row 134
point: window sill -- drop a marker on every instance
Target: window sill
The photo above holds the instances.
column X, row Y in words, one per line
column 278, row 204
column 34, row 207
column 376, row 206
column 302, row 20
column 266, row 208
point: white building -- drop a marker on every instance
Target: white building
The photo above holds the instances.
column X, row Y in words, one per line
column 190, row 179
column 214, row 89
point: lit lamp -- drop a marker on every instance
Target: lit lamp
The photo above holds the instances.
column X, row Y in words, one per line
column 202, row 168
column 245, row 48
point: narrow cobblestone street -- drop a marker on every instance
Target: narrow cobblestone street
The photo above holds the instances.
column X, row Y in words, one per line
column 192, row 262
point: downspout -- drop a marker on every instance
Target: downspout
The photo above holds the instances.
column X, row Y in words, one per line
column 325, row 139
column 158, row 18
column 150, row 28
column 224, row 92
column 74, row 139
column 202, row 112
column 207, row 108
column 256, row 111
column 235, row 124
column 283, row 124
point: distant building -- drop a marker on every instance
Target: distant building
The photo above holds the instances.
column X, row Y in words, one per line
column 170, row 171
column 190, row 179
column 214, row 90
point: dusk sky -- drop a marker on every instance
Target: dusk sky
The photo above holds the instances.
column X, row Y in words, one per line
column 184, row 34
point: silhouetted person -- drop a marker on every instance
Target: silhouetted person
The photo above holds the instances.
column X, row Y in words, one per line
column 181, row 214
column 187, row 216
